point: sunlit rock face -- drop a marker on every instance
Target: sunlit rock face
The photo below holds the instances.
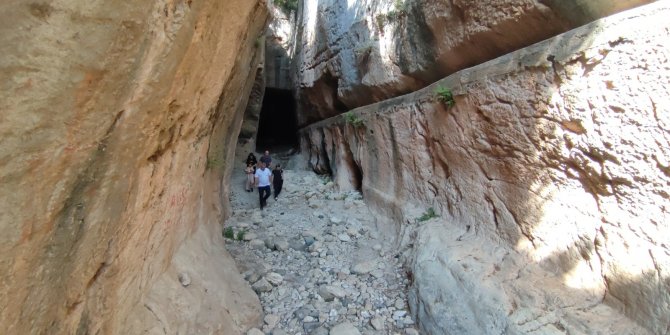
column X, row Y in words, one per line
column 117, row 123
column 353, row 53
column 549, row 175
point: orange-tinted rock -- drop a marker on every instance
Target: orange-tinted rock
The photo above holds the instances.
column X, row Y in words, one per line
column 117, row 123
column 549, row 176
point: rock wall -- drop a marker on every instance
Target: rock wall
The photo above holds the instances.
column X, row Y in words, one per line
column 279, row 50
column 353, row 53
column 117, row 123
column 548, row 176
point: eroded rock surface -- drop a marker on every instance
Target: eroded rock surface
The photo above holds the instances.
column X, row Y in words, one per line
column 549, row 177
column 353, row 53
column 117, row 123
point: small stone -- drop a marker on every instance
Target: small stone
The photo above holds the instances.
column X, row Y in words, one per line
column 255, row 331
column 249, row 236
column 345, row 328
column 377, row 273
column 274, row 278
column 336, row 221
column 184, row 279
column 308, row 319
column 271, row 320
column 377, row 323
column 329, row 292
column 364, row 267
column 318, row 331
column 252, row 276
column 377, row 247
column 399, row 315
column 257, row 244
column 281, row 245
column 262, row 286
column 411, row 331
column 344, row 237
column 279, row 332
column 310, row 327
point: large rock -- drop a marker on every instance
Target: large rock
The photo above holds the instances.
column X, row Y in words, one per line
column 551, row 168
column 118, row 123
column 352, row 53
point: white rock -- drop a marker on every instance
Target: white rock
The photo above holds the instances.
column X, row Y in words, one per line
column 281, row 245
column 377, row 323
column 274, row 278
column 344, row 329
column 344, row 237
column 364, row 267
column 184, row 279
column 335, row 220
column 330, row 292
column 271, row 320
column 257, row 244
column 262, row 286
column 255, row 331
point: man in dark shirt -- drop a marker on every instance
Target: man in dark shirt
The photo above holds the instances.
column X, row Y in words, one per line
column 266, row 159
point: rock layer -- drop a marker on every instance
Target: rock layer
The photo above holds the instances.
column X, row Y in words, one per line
column 353, row 53
column 117, row 123
column 548, row 176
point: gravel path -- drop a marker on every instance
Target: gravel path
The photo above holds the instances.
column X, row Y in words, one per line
column 316, row 262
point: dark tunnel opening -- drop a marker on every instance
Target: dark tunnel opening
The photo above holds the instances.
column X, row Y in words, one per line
column 278, row 126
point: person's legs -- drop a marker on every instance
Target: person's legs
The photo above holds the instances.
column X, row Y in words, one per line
column 250, row 181
column 278, row 188
column 261, row 190
column 267, row 195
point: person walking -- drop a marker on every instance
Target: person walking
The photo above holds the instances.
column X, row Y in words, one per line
column 263, row 178
column 277, row 179
column 266, row 159
column 251, row 159
column 249, row 170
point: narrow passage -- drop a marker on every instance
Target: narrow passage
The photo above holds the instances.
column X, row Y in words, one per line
column 316, row 261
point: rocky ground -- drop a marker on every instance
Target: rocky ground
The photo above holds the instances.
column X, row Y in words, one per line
column 316, row 261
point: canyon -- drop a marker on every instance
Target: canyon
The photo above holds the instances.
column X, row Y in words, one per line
column 513, row 154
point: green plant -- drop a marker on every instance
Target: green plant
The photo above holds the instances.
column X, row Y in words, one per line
column 445, row 95
column 229, row 233
column 381, row 21
column 429, row 214
column 325, row 179
column 400, row 6
column 240, row 235
column 353, row 119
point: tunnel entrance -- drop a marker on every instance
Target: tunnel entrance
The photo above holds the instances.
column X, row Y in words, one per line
column 278, row 126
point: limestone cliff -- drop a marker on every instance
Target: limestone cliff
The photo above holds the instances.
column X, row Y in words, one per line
column 118, row 120
column 549, row 175
column 352, row 53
